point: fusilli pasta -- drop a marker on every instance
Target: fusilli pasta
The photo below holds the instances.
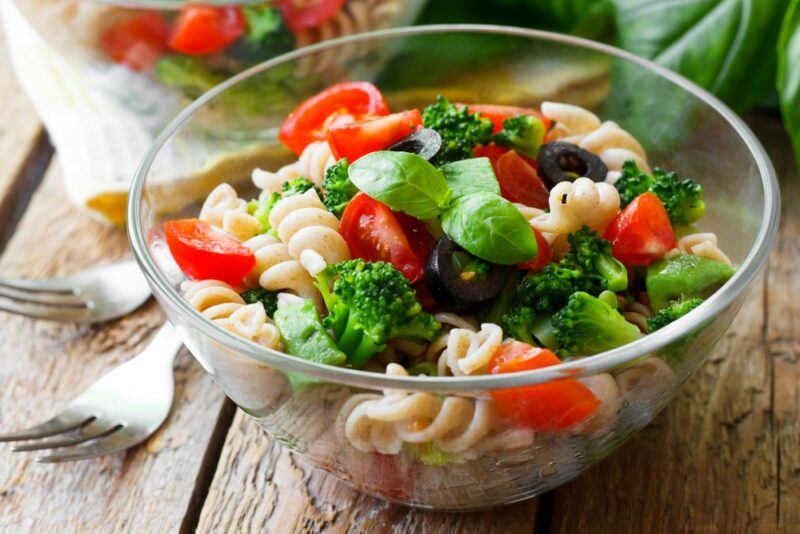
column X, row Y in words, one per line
column 224, row 209
column 700, row 244
column 579, row 203
column 375, row 423
column 308, row 241
column 312, row 164
column 467, row 351
column 220, row 303
column 613, row 145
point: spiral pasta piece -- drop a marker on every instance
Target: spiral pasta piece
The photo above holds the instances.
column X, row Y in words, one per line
column 220, row 303
column 577, row 204
column 468, row 352
column 308, row 240
column 374, row 423
column 224, row 209
column 607, row 140
column 356, row 16
column 312, row 164
column 700, row 244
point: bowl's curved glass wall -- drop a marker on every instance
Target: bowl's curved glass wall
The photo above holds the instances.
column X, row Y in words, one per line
column 680, row 131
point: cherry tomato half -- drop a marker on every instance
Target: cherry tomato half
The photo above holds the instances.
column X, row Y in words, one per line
column 497, row 114
column 550, row 406
column 309, row 121
column 374, row 233
column 356, row 139
column 138, row 41
column 302, row 14
column 206, row 253
column 642, row 232
column 200, row 30
column 543, row 256
column 519, row 181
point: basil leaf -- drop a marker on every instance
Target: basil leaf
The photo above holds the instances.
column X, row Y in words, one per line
column 470, row 176
column 725, row 46
column 491, row 228
column 789, row 73
column 403, row 181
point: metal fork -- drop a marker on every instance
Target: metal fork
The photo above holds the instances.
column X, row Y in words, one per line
column 99, row 294
column 118, row 411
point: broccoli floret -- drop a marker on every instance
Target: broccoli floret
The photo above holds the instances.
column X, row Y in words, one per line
column 588, row 325
column 265, row 37
column 683, row 199
column 297, row 186
column 338, row 187
column 518, row 323
column 371, row 303
column 261, row 208
column 461, row 130
column 589, row 266
column 269, row 299
column 188, row 74
column 672, row 312
column 590, row 253
column 524, row 133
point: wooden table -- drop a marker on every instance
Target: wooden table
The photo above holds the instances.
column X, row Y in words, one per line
column 724, row 456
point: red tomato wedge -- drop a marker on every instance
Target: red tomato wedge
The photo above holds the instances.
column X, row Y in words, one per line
column 201, row 30
column 497, row 114
column 519, row 181
column 642, row 232
column 374, row 233
column 138, row 41
column 206, row 253
column 543, row 256
column 551, row 406
column 356, row 139
column 309, row 121
column 302, row 14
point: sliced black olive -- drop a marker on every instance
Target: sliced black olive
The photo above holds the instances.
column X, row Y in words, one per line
column 425, row 143
column 450, row 281
column 561, row 162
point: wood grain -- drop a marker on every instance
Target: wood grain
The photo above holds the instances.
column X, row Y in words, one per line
column 724, row 455
column 261, row 487
column 43, row 365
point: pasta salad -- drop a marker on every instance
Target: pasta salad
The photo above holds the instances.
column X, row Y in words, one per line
column 455, row 240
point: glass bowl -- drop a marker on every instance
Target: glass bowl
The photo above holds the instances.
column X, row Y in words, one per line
column 122, row 47
column 306, row 406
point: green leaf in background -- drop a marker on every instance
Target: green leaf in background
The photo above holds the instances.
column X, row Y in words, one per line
column 789, row 73
column 587, row 18
column 726, row 46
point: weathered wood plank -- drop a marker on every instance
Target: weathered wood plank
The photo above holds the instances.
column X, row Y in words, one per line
column 23, row 143
column 783, row 338
column 43, row 365
column 261, row 487
column 710, row 462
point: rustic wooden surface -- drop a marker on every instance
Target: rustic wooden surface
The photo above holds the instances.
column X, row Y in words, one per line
column 724, row 456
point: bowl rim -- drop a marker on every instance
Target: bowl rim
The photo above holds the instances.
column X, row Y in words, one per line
column 477, row 384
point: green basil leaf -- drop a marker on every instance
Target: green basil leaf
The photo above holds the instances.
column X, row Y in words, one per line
column 403, row 181
column 789, row 74
column 725, row 46
column 491, row 228
column 470, row 176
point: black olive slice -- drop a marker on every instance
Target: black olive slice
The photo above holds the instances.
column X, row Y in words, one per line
column 564, row 162
column 461, row 289
column 425, row 143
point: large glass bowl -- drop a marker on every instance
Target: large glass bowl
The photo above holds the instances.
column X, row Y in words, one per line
column 682, row 127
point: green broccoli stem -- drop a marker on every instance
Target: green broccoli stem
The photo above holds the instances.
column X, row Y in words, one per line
column 366, row 349
column 351, row 335
column 613, row 272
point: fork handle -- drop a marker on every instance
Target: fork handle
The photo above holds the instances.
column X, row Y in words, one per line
column 163, row 347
